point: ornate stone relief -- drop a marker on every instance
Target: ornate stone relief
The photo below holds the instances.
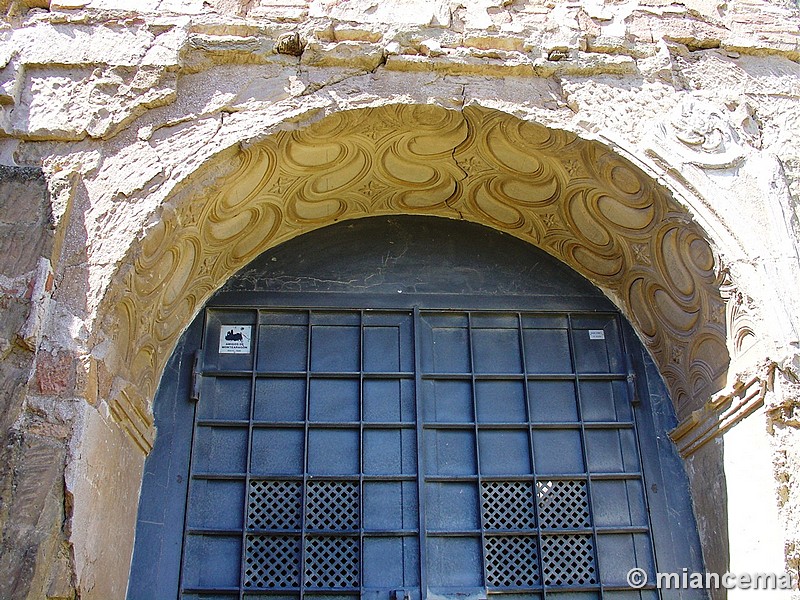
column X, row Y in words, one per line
column 575, row 199
column 697, row 132
column 740, row 315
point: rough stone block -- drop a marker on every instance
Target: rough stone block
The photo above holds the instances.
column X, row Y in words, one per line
column 72, row 103
column 55, row 373
column 32, row 473
column 24, row 220
column 409, row 12
column 358, row 55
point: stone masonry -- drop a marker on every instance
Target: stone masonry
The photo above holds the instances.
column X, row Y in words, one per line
column 125, row 125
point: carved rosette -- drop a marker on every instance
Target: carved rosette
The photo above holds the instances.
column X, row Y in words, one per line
column 573, row 198
column 699, row 133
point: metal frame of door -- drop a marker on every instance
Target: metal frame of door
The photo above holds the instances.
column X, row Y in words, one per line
column 544, row 538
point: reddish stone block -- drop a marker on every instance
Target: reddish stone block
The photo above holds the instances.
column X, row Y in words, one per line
column 55, row 373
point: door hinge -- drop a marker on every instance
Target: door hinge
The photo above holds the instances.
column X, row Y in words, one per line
column 631, row 379
column 197, row 374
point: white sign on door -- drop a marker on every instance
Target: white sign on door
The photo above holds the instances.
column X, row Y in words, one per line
column 235, row 339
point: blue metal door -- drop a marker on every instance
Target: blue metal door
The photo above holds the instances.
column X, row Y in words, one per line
column 397, row 446
column 375, row 453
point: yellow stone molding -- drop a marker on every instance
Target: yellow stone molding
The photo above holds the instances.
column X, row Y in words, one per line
column 724, row 411
column 575, row 199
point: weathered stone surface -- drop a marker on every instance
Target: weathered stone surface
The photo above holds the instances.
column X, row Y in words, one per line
column 32, row 517
column 135, row 114
column 71, row 103
column 280, row 10
column 363, row 56
column 24, row 238
column 783, row 422
column 55, row 373
column 707, row 479
column 24, row 218
column 120, row 44
column 757, row 543
column 407, row 12
column 210, row 50
column 32, row 447
column 104, row 475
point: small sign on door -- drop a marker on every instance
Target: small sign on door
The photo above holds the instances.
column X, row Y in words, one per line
column 597, row 334
column 235, row 339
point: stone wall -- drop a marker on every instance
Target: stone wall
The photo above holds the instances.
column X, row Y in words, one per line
column 34, row 549
column 133, row 118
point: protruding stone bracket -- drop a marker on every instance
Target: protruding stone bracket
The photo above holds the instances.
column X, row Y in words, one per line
column 724, row 411
column 290, row 43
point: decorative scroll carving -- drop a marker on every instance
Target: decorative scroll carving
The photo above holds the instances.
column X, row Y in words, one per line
column 575, row 199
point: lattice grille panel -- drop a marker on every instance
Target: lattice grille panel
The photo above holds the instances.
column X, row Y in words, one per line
column 508, row 505
column 568, row 560
column 563, row 504
column 333, row 505
column 332, row 562
column 512, row 562
column 272, row 562
column 274, row 505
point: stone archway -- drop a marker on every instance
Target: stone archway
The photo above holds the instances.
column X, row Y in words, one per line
column 575, row 199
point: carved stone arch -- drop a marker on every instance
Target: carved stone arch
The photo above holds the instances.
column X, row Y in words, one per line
column 575, row 199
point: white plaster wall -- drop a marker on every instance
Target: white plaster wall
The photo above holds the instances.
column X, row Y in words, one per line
column 755, row 531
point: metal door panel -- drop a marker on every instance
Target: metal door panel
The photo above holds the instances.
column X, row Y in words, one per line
column 323, row 436
column 416, row 450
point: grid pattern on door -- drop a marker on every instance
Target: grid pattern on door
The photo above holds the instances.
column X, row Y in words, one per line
column 357, row 453
column 528, row 430
column 309, row 441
